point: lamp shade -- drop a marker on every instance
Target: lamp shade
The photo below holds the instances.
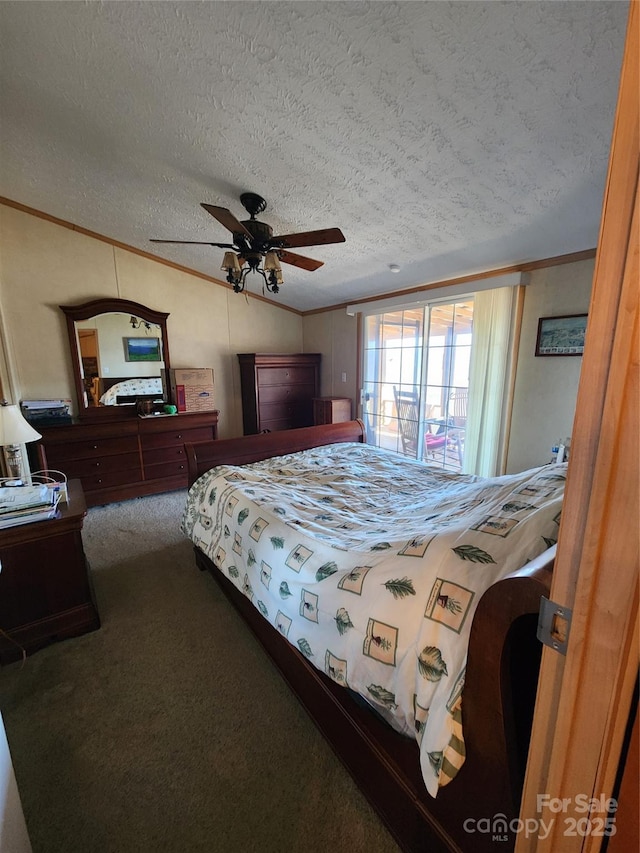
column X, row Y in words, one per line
column 272, row 262
column 230, row 262
column 14, row 429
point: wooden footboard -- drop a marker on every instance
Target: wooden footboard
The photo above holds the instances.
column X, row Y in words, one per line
column 386, row 765
column 252, row 448
column 498, row 697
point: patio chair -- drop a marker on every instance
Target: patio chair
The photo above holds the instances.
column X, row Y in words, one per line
column 408, row 417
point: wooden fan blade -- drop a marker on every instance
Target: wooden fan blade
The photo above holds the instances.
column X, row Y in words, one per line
column 309, row 238
column 196, row 243
column 300, row 261
column 226, row 218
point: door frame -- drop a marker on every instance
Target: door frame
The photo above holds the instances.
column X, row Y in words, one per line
column 584, row 699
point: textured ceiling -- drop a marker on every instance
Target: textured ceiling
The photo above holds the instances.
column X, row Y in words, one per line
column 447, row 137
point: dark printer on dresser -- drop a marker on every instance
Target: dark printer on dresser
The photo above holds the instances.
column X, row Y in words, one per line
column 278, row 390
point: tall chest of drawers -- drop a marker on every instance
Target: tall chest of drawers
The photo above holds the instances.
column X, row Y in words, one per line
column 278, row 390
column 121, row 459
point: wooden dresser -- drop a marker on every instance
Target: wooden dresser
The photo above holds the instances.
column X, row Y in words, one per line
column 118, row 459
column 278, row 390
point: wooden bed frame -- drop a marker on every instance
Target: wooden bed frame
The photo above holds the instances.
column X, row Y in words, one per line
column 472, row 813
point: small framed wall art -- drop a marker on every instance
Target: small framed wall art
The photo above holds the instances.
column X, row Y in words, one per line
column 142, row 349
column 561, row 335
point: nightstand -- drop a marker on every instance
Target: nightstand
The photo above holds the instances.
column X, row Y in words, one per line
column 331, row 410
column 46, row 592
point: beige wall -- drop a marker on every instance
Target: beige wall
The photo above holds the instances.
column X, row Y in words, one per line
column 335, row 335
column 546, row 387
column 545, row 390
column 44, row 265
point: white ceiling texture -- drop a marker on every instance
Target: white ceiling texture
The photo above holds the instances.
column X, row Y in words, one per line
column 446, row 137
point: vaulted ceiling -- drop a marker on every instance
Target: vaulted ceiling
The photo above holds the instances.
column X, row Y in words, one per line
column 446, row 137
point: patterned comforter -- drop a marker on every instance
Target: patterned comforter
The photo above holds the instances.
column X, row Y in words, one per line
column 372, row 565
column 129, row 387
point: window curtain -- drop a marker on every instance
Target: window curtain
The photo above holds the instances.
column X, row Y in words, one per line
column 488, row 376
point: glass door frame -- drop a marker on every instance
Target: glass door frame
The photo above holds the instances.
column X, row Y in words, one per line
column 372, row 419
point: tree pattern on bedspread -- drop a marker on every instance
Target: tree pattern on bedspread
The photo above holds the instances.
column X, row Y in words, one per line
column 372, row 566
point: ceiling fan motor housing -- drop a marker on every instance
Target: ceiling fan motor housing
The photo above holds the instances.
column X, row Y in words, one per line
column 261, row 234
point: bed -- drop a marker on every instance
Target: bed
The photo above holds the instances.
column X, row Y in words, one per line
column 130, row 390
column 378, row 626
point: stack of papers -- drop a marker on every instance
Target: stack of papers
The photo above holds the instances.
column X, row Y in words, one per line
column 24, row 504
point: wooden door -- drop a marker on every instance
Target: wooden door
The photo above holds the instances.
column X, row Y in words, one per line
column 584, row 699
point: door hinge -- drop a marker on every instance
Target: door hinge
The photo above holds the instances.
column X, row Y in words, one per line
column 554, row 625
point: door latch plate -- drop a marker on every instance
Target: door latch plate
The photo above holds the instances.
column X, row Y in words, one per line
column 554, row 625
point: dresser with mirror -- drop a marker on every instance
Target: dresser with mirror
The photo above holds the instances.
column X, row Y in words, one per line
column 121, row 444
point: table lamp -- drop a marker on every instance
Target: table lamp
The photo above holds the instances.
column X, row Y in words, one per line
column 14, row 432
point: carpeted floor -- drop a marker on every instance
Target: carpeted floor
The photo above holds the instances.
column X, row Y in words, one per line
column 169, row 730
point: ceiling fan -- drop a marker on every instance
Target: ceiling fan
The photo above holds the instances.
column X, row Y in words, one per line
column 254, row 243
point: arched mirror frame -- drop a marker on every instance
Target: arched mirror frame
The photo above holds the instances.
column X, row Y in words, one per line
column 86, row 311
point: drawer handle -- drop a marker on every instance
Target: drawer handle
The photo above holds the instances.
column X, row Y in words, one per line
column 97, row 464
column 99, row 480
column 95, row 446
column 178, row 436
column 180, row 452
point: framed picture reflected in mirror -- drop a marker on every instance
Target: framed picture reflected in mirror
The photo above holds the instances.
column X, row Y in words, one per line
column 142, row 349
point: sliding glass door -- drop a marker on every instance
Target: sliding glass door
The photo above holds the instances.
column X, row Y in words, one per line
column 416, row 380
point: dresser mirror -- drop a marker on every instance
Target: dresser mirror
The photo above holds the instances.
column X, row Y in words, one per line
column 118, row 349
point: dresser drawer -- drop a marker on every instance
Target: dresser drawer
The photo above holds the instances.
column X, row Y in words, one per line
column 174, row 453
column 60, row 454
column 111, row 478
column 296, row 414
column 278, row 411
column 175, row 437
column 293, row 375
column 277, row 425
column 166, row 469
column 285, row 393
column 103, row 465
